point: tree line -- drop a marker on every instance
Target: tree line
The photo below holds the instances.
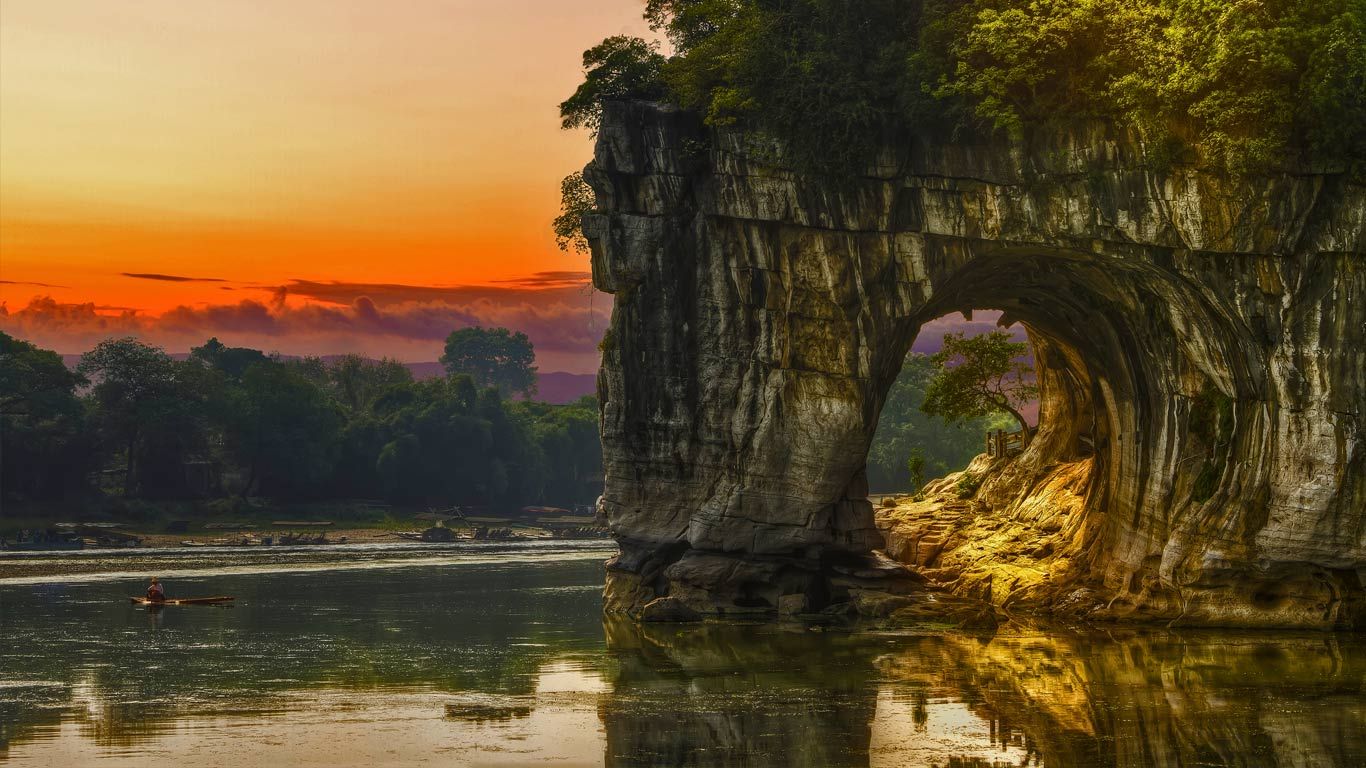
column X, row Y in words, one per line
column 232, row 420
column 135, row 421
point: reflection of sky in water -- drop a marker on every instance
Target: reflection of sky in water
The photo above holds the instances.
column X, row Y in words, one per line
column 470, row 662
column 901, row 736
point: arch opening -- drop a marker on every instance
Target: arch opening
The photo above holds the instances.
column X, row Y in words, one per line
column 1116, row 389
column 1200, row 411
column 912, row 446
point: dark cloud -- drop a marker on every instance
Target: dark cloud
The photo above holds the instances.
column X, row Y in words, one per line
column 172, row 278
column 568, row 331
column 26, row 282
column 551, row 279
column 562, row 316
column 388, row 294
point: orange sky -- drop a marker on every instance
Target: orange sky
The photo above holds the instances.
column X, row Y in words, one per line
column 412, row 144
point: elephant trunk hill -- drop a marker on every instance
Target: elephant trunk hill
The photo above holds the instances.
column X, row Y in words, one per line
column 1200, row 343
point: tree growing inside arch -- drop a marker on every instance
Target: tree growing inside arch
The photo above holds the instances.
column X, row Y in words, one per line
column 492, row 357
column 978, row 376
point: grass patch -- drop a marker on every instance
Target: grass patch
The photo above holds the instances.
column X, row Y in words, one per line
column 967, row 485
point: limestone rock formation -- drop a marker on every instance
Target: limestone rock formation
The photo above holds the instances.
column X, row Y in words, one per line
column 1201, row 343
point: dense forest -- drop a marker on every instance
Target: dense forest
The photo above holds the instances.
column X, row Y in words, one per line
column 133, row 421
column 1242, row 84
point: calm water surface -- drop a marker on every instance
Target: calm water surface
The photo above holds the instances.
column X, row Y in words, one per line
column 497, row 655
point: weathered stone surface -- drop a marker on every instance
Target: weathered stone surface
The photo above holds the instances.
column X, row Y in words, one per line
column 667, row 609
column 791, row 605
column 1202, row 353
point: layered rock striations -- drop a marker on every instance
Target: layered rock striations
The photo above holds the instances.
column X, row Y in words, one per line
column 1201, row 343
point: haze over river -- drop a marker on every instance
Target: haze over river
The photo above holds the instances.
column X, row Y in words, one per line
column 498, row 654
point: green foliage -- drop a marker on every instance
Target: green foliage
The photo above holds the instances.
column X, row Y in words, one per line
column 293, row 429
column 916, row 466
column 492, row 357
column 910, row 446
column 576, row 199
column 1245, row 82
column 31, row 378
column 1332, row 107
column 1022, row 63
column 284, row 431
column 826, row 77
column 355, row 382
column 976, row 376
column 150, row 409
column 45, row 449
column 967, row 485
column 568, row 447
column 440, row 447
column 1211, row 421
column 232, row 362
column 1206, row 482
column 608, row 341
column 1211, row 416
column 1250, row 79
column 300, row 429
column 619, row 67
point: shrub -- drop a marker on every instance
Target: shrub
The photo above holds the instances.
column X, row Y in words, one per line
column 967, row 485
column 619, row 67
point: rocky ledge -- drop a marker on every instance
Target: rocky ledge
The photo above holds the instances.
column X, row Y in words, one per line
column 1200, row 340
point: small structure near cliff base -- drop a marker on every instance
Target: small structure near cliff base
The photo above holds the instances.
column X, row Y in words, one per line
column 1201, row 353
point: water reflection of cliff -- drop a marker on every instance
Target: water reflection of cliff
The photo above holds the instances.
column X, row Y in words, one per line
column 761, row 696
column 1168, row 700
column 737, row 695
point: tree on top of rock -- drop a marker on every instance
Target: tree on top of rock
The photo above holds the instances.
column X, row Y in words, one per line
column 977, row 376
column 493, row 357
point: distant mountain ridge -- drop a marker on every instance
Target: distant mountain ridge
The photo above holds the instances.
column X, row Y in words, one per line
column 557, row 387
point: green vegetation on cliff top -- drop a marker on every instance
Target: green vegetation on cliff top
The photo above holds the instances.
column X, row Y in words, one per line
column 1243, row 84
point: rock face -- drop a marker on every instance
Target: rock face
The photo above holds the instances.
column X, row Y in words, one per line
column 1201, row 344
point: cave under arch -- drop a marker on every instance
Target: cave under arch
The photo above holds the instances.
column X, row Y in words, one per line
column 1197, row 338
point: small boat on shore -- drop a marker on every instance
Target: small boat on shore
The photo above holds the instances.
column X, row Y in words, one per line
column 182, row 601
column 437, row 534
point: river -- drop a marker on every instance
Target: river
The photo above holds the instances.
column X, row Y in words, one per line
column 497, row 655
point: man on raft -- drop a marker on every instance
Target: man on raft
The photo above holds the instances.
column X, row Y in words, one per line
column 155, row 592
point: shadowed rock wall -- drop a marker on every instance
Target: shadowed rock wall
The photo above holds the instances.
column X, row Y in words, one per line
column 1202, row 343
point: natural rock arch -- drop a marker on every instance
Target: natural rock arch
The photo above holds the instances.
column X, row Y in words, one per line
column 1201, row 337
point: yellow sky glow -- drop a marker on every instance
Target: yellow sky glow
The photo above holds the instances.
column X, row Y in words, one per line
column 414, row 142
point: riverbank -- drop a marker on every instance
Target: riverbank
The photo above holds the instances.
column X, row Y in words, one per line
column 237, row 522
column 179, row 565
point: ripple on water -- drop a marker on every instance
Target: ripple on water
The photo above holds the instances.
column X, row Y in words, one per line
column 134, row 564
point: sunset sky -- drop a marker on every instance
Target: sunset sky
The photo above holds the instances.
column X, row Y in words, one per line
column 311, row 176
